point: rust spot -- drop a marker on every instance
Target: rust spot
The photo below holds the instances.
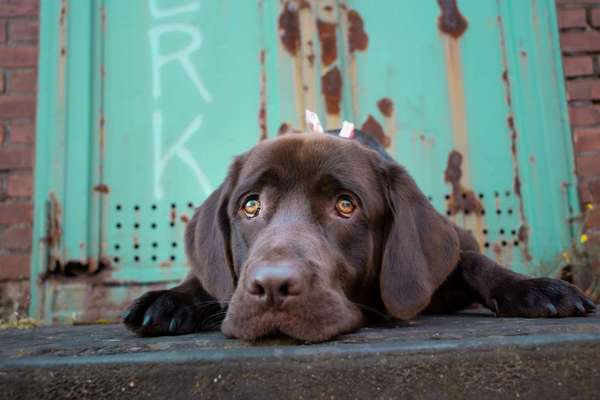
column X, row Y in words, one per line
column 283, row 128
column 331, row 87
column 262, row 111
column 303, row 4
column 517, row 186
column 327, row 37
column 173, row 215
column 311, row 58
column 165, row 264
column 357, row 37
column 374, row 128
column 386, row 106
column 523, row 236
column 102, row 188
column 328, row 8
column 289, row 27
column 497, row 250
column 510, row 122
column 184, row 218
column 62, row 27
column 451, row 21
column 54, row 222
column 462, row 200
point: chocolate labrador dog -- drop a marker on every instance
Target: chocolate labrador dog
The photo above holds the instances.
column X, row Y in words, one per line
column 314, row 235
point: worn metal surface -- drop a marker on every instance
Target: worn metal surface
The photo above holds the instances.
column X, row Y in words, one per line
column 147, row 102
column 464, row 356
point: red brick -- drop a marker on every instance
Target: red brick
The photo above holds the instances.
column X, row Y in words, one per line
column 576, row 2
column 594, row 190
column 19, row 157
column 592, row 218
column 588, row 165
column 14, row 298
column 14, row 266
column 16, row 237
column 23, row 31
column 584, row 115
column 2, row 134
column 595, row 17
column 16, row 213
column 20, row 185
column 22, row 81
column 585, row 196
column 2, row 84
column 572, row 18
column 580, row 41
column 583, row 90
column 17, row 106
column 18, row 57
column 22, row 132
column 578, row 66
column 13, row 8
column 587, row 139
column 2, row 31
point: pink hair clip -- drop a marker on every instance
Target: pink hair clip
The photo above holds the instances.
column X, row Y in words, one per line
column 312, row 122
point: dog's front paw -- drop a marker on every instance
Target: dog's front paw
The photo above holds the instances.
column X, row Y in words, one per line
column 166, row 312
column 540, row 297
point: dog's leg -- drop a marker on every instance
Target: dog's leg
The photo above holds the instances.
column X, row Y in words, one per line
column 183, row 309
column 509, row 294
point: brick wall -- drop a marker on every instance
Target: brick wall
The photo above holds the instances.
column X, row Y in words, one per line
column 579, row 22
column 18, row 75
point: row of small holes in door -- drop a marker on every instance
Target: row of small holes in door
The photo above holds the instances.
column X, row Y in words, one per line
column 481, row 196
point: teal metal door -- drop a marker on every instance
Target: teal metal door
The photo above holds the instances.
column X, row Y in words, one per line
column 143, row 104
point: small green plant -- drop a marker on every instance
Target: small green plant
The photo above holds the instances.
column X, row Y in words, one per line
column 580, row 265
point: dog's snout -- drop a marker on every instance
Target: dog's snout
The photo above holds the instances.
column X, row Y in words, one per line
column 274, row 283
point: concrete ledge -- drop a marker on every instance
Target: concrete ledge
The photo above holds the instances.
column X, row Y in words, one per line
column 464, row 356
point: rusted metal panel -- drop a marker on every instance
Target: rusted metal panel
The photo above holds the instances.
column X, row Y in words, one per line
column 142, row 118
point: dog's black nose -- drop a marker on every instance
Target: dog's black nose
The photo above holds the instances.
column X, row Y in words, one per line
column 274, row 283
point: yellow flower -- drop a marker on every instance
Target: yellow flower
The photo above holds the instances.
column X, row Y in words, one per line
column 590, row 206
column 583, row 238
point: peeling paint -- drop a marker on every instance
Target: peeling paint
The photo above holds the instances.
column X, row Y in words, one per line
column 358, row 40
column 510, row 122
column 54, row 223
column 102, row 188
column 331, row 87
column 462, row 199
column 289, row 27
column 386, row 106
column 283, row 128
column 374, row 128
column 451, row 21
column 327, row 37
column 262, row 111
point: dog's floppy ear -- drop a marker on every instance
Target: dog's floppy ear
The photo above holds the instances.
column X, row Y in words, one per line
column 421, row 247
column 208, row 239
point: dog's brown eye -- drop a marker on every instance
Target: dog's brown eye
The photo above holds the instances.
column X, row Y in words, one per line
column 251, row 206
column 345, row 206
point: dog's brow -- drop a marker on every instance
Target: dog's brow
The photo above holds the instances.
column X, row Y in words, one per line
column 344, row 181
column 260, row 178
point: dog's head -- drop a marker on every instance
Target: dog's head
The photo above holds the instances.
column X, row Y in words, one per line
column 309, row 231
